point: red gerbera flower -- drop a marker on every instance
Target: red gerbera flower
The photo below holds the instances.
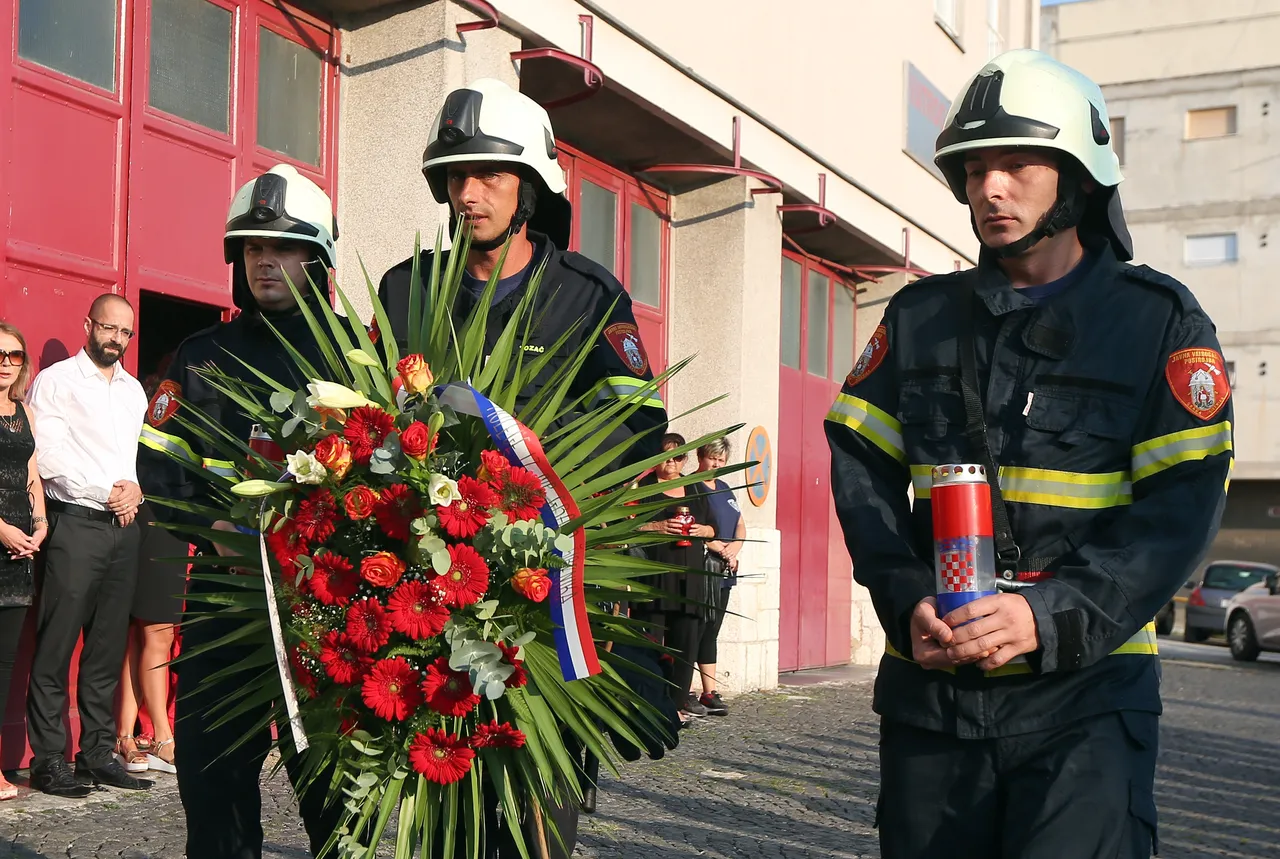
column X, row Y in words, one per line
column 342, row 660
column 519, row 677
column 396, row 507
column 367, row 428
column 465, row 517
column 448, row 692
column 417, row 610
column 493, row 465
column 303, row 675
column 368, row 625
column 496, row 736
column 287, row 543
column 316, row 516
column 520, row 494
column 440, row 757
column 391, row 690
column 333, row 581
column 467, row 578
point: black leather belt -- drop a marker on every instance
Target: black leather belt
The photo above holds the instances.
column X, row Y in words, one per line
column 55, row 506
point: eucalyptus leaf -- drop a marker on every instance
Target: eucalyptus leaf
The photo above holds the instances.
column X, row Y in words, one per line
column 281, row 401
column 494, row 689
column 291, row 425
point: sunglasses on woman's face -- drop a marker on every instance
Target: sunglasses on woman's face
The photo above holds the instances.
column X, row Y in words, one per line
column 679, row 457
column 16, row 357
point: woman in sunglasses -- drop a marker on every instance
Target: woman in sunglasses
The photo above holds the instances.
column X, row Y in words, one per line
column 23, row 526
column 680, row 615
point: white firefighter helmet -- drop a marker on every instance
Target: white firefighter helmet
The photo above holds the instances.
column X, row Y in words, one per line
column 1026, row 98
column 489, row 121
column 281, row 204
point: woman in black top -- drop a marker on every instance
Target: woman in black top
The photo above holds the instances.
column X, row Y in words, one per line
column 23, row 525
column 682, row 615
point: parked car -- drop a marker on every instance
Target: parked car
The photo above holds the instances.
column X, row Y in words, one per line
column 1213, row 590
column 1167, row 616
column 1253, row 619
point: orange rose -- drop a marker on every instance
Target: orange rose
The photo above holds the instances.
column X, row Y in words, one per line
column 382, row 570
column 532, row 584
column 359, row 503
column 416, row 441
column 415, row 374
column 334, row 453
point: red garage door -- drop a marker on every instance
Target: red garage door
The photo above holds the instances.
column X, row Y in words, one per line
column 817, row 352
column 128, row 125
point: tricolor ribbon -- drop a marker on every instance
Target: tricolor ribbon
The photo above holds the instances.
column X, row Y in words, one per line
column 521, row 447
column 300, row 740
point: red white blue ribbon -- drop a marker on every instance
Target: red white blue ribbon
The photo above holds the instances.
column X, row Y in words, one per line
column 521, row 447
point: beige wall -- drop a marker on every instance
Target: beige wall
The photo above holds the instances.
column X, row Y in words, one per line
column 1116, row 41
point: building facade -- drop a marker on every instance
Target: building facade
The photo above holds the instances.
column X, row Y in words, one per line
column 759, row 179
column 1194, row 95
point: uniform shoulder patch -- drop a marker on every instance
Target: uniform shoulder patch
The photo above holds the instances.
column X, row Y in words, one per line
column 164, row 404
column 624, row 337
column 877, row 349
column 1198, row 380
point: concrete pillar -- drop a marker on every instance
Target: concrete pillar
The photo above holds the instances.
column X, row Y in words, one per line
column 725, row 308
column 397, row 69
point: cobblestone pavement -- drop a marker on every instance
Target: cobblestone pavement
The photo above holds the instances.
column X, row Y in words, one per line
column 788, row 774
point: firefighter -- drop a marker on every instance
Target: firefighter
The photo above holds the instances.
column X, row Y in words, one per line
column 492, row 157
column 1025, row 723
column 279, row 225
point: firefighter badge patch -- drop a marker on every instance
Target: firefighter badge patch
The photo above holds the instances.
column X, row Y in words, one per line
column 1198, row 380
column 877, row 348
column 165, row 402
column 625, row 340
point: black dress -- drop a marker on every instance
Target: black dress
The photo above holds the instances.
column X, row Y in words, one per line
column 162, row 583
column 16, row 446
column 693, row 587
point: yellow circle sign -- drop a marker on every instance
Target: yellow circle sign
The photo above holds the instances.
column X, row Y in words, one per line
column 760, row 474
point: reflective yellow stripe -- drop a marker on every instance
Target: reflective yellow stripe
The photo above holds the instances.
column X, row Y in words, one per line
column 1166, row 451
column 1143, row 643
column 618, row 387
column 165, row 443
column 875, row 425
column 221, row 467
column 1076, row 490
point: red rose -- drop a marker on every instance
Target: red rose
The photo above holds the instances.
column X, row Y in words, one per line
column 382, row 570
column 360, row 502
column 532, row 584
column 334, row 453
column 417, row 441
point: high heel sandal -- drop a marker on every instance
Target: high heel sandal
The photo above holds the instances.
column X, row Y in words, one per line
column 131, row 759
column 157, row 763
column 7, row 790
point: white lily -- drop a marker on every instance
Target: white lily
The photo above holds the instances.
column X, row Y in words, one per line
column 441, row 491
column 329, row 395
column 257, row 488
column 305, row 468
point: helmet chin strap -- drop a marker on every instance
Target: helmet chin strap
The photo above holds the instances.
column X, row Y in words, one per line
column 1066, row 212
column 528, row 200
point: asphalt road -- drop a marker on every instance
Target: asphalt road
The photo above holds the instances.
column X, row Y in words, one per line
column 788, row 774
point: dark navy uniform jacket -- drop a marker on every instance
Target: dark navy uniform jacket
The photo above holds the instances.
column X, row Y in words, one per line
column 1109, row 415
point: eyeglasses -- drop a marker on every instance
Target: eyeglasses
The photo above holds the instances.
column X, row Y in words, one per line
column 16, row 357
column 112, row 329
column 677, row 458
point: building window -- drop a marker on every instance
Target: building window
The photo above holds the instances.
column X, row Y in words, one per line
column 1231, row 374
column 290, row 86
column 624, row 225
column 818, row 318
column 792, row 274
column 71, row 37
column 995, row 32
column 1211, row 122
column 1117, row 137
column 190, row 74
column 1211, row 249
column 947, row 14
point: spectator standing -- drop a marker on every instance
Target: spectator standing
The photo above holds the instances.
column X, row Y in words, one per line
column 682, row 615
column 23, row 526
column 722, row 558
column 88, row 413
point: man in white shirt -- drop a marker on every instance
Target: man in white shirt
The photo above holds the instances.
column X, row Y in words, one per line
column 88, row 416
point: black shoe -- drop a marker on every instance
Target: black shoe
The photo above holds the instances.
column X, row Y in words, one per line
column 54, row 778
column 112, row 775
column 714, row 703
column 693, row 706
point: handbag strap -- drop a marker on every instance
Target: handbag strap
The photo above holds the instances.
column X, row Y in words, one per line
column 975, row 429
